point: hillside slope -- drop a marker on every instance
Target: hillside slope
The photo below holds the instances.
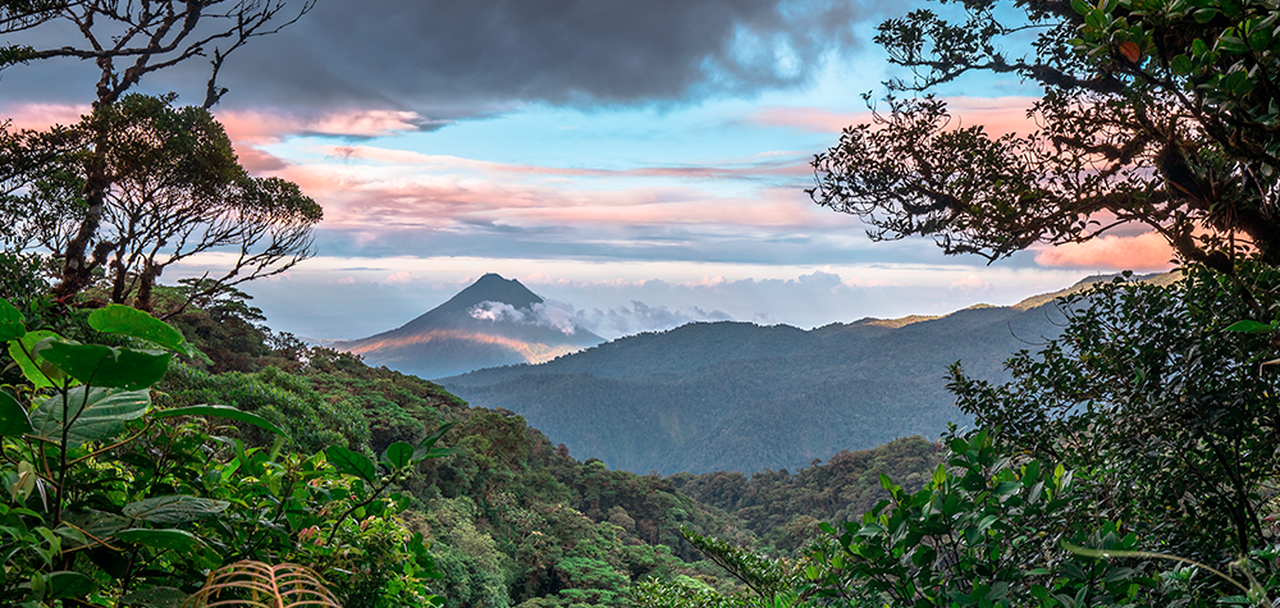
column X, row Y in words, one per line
column 710, row 396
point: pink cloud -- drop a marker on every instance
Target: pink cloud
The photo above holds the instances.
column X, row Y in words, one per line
column 1147, row 251
column 450, row 193
column 999, row 115
column 44, row 115
column 258, row 161
column 250, row 130
column 403, row 277
column 780, row 164
column 266, row 127
column 972, row 282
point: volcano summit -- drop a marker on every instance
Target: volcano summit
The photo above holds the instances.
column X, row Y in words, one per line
column 493, row 322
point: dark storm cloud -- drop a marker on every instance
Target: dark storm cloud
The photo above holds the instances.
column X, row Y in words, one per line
column 463, row 58
column 451, row 59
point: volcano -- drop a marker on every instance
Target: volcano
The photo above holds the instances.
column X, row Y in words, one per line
column 493, row 322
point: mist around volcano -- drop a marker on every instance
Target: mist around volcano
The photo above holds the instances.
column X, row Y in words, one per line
column 493, row 322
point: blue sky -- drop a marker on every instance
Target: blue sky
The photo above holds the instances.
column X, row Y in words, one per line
column 643, row 163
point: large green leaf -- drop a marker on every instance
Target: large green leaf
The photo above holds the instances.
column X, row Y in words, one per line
column 99, row 365
column 11, row 326
column 220, row 411
column 351, row 462
column 95, row 413
column 174, row 509
column 64, row 584
column 13, row 419
column 426, row 448
column 1251, row 327
column 120, row 319
column 38, row 371
column 173, row 540
column 398, row 454
column 97, row 525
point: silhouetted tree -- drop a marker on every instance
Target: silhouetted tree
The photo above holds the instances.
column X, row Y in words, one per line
column 126, row 41
column 1159, row 113
column 177, row 191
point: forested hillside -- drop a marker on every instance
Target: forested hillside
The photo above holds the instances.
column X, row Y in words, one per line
column 712, row 394
column 504, row 516
column 785, row 509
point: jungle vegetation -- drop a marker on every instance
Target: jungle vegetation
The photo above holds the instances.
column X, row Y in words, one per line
column 1129, row 462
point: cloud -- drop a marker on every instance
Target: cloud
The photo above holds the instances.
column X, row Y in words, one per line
column 41, row 116
column 555, row 315
column 1147, row 251
column 452, row 59
column 372, row 193
column 260, row 127
column 641, row 317
column 971, row 284
column 400, row 278
column 250, row 130
column 496, row 312
column 309, row 302
column 998, row 115
column 466, row 58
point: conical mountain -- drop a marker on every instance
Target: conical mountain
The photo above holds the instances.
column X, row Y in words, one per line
column 493, row 322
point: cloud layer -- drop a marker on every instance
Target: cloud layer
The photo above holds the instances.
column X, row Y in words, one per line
column 470, row 58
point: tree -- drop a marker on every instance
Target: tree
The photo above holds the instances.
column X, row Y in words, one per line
column 147, row 36
column 177, row 191
column 1170, row 413
column 1163, row 113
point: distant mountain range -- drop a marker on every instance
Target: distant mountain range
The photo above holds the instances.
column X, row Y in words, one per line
column 493, row 322
column 744, row 397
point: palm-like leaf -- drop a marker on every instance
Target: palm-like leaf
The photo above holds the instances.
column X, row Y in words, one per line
column 250, row 584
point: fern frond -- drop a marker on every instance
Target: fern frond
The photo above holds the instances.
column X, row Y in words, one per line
column 250, row 584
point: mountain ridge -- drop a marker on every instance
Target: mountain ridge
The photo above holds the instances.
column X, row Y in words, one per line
column 710, row 395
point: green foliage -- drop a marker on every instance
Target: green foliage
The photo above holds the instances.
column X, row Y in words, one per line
column 511, row 519
column 24, row 282
column 784, row 509
column 769, row 579
column 286, row 401
column 154, row 185
column 1151, row 391
column 981, row 533
column 1144, row 434
column 103, row 504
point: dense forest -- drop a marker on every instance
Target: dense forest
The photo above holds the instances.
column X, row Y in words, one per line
column 160, row 447
column 709, row 392
column 504, row 518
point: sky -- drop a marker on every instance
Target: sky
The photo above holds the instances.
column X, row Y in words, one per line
column 642, row 164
